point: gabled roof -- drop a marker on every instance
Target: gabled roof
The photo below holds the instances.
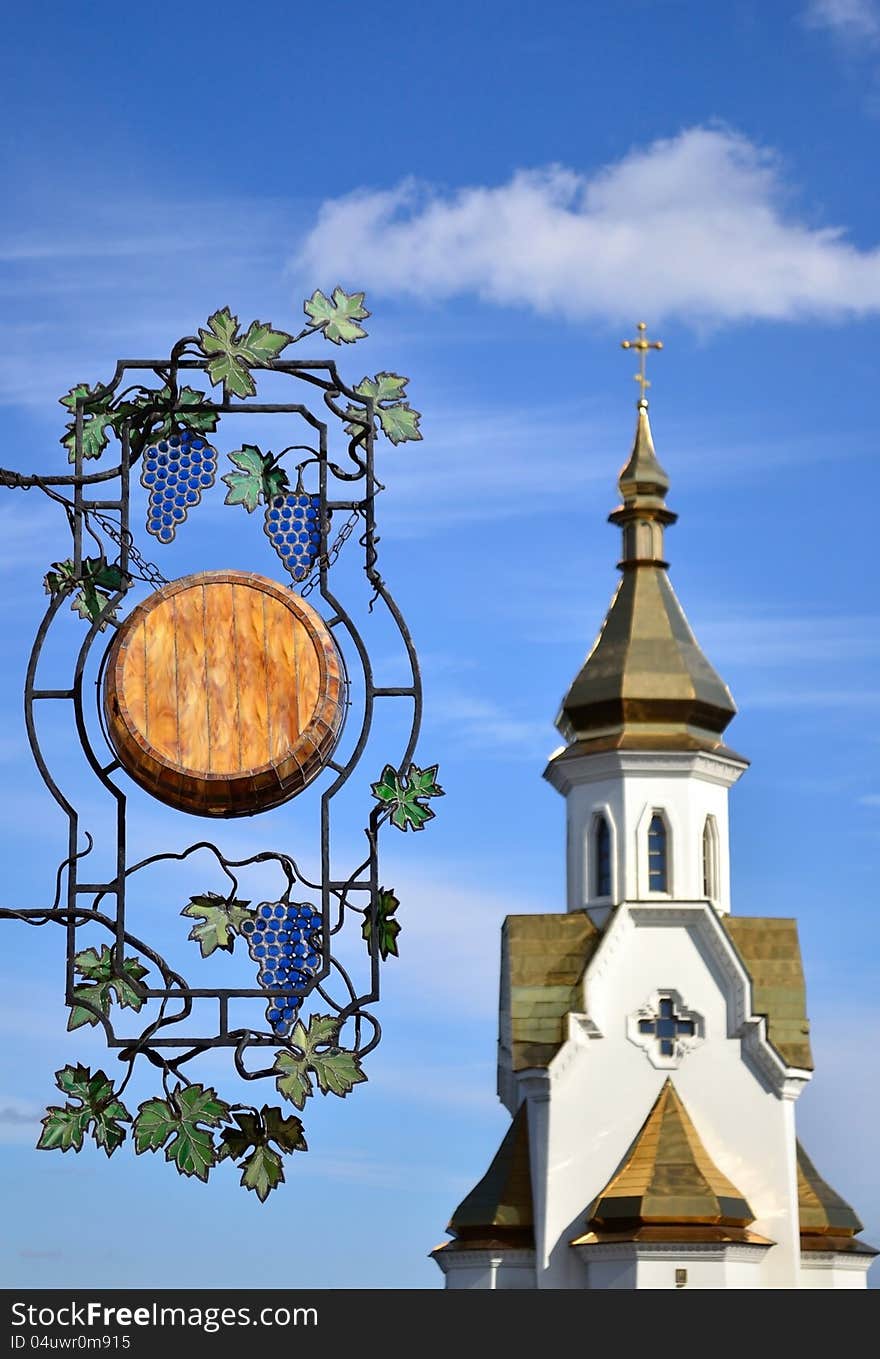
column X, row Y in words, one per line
column 543, row 958
column 667, row 1178
column 498, row 1210
column 769, row 948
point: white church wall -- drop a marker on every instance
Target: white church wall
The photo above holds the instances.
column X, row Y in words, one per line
column 474, row 1269
column 627, row 787
column 821, row 1270
column 671, row 1265
column 504, row 1269
column 602, row 1089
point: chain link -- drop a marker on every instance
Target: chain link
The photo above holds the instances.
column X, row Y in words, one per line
column 329, row 557
column 146, row 571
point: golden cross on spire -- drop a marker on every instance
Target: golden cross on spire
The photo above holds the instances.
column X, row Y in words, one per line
column 642, row 344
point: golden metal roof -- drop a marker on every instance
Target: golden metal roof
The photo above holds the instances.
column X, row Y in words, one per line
column 822, row 1211
column 667, row 1178
column 499, row 1208
column 771, row 954
column 679, row 1233
column 543, row 958
column 646, row 676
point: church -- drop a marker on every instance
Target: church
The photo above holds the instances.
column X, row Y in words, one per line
column 652, row 1044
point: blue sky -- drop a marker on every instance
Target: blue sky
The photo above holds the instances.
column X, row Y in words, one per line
column 514, row 187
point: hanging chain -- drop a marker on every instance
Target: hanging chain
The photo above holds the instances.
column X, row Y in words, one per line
column 329, row 557
column 146, row 571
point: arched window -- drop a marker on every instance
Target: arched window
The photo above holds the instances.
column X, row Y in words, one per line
column 658, row 875
column 602, row 857
column 710, row 859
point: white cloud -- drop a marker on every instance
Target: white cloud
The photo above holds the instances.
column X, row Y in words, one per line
column 850, row 19
column 781, row 640
column 447, row 904
column 480, row 724
column 695, row 226
column 19, row 1119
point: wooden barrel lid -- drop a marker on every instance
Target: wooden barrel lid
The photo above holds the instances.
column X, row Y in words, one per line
column 223, row 694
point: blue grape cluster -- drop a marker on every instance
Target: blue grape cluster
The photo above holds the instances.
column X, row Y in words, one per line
column 283, row 941
column 292, row 525
column 176, row 471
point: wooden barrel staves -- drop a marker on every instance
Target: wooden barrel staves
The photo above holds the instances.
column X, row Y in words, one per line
column 223, row 694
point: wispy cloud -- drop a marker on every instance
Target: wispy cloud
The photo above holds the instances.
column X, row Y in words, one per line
column 778, row 639
column 26, row 526
column 852, row 20
column 445, row 904
column 870, row 800
column 480, row 724
column 19, row 1119
column 462, row 1085
column 480, row 464
column 73, row 299
column 785, row 697
column 696, row 226
column 384, row 1173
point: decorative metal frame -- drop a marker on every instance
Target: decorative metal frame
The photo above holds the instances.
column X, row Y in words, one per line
column 348, row 485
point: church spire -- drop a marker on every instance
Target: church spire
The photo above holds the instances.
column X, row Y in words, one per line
column 643, row 484
column 646, row 683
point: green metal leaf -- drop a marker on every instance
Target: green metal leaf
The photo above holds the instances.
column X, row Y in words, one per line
column 97, row 418
column 221, row 920
column 64, row 1127
column 81, row 389
column 154, row 1124
column 383, row 387
column 337, row 316
column 285, row 1130
column 102, row 984
column 178, row 1122
column 98, row 579
column 387, row 929
column 235, row 1141
column 396, row 418
column 292, row 1082
column 262, row 1169
column 404, row 797
column 79, row 1083
column 336, row 1070
column 400, row 423
column 261, row 344
column 189, row 413
column 231, row 355
column 107, row 1127
column 258, row 478
column 146, row 412
column 153, row 414
column 234, row 376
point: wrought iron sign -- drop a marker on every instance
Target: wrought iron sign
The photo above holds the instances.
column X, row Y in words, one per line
column 223, row 694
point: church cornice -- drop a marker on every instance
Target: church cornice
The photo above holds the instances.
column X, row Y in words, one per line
column 672, row 1249
column 572, row 767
